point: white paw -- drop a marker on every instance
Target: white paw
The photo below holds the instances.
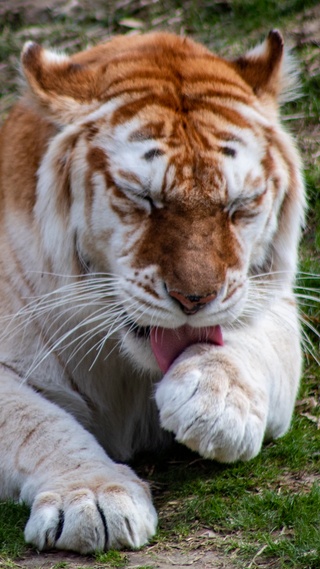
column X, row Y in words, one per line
column 212, row 405
column 93, row 516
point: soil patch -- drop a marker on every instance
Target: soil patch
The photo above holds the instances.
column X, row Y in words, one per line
column 134, row 560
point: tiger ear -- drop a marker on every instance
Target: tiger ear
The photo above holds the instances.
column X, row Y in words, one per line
column 267, row 68
column 60, row 88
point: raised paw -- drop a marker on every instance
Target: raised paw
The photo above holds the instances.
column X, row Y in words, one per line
column 213, row 405
column 99, row 517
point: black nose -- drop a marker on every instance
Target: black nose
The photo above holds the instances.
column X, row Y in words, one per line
column 190, row 304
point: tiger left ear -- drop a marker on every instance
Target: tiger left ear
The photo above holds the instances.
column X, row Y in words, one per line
column 262, row 67
column 61, row 89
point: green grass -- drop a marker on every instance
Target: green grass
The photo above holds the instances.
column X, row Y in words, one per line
column 264, row 513
column 13, row 518
column 112, row 558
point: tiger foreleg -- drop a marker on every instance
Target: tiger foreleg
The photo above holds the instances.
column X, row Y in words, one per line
column 224, row 401
column 80, row 499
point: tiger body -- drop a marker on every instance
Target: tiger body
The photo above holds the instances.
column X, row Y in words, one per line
column 151, row 208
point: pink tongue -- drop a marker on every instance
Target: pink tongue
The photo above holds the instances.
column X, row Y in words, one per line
column 168, row 343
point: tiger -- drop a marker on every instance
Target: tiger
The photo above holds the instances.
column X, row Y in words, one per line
column 151, row 209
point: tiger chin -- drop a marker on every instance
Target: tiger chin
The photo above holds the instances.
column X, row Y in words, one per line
column 151, row 204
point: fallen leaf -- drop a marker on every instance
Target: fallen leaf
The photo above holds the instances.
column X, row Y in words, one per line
column 132, row 23
column 312, row 418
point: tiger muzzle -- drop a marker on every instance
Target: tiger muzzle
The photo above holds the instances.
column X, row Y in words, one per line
column 190, row 304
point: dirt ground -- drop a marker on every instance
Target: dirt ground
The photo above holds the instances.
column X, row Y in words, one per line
column 145, row 559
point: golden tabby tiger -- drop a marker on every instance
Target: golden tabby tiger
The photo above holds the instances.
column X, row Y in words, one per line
column 151, row 207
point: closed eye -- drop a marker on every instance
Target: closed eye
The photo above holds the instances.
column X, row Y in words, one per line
column 246, row 208
column 243, row 215
column 148, row 199
column 139, row 197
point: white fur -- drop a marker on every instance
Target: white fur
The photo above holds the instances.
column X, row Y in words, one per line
column 221, row 402
column 80, row 386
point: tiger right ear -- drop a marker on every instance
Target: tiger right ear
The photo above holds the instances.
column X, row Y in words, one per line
column 263, row 67
column 63, row 89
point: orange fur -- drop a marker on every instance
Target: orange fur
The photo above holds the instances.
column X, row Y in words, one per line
column 150, row 199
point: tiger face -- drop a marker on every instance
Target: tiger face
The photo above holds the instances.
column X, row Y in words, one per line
column 175, row 177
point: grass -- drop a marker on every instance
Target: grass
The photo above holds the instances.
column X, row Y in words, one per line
column 265, row 513
column 272, row 501
column 13, row 518
column 114, row 558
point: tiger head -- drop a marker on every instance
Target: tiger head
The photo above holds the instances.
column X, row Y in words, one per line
column 170, row 171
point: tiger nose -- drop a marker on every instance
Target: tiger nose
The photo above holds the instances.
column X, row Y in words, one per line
column 190, row 304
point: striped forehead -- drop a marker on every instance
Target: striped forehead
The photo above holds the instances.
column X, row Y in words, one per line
column 157, row 142
column 237, row 154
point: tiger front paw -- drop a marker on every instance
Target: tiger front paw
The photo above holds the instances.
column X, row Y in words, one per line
column 93, row 516
column 212, row 405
